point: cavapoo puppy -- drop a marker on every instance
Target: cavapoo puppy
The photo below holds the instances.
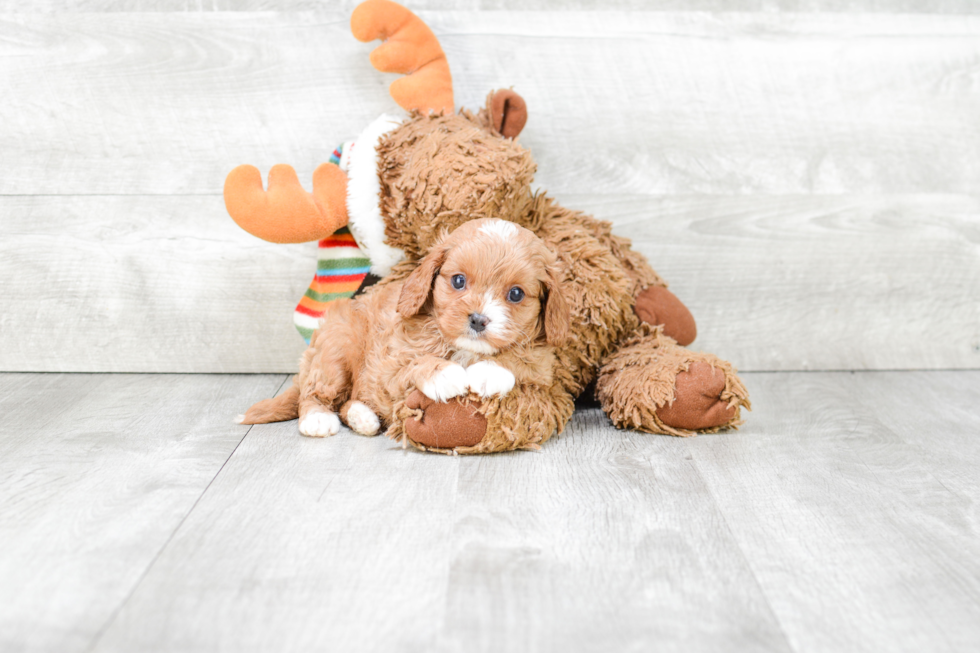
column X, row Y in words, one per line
column 481, row 312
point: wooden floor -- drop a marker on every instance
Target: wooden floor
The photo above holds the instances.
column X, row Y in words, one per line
column 136, row 516
column 804, row 173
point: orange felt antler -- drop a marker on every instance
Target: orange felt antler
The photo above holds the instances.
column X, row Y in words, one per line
column 409, row 48
column 286, row 213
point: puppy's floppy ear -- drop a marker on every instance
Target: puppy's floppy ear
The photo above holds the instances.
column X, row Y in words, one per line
column 557, row 315
column 418, row 285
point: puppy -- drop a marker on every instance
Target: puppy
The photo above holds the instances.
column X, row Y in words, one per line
column 481, row 313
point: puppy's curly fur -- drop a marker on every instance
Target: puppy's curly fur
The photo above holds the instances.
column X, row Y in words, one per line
column 482, row 312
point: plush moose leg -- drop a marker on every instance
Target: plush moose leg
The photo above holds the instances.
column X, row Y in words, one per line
column 441, row 426
column 652, row 384
column 650, row 381
column 652, row 302
column 657, row 306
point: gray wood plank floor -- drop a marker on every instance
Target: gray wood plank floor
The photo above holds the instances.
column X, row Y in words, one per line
column 96, row 473
column 135, row 516
column 803, row 172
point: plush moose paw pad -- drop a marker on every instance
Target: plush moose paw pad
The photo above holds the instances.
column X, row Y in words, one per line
column 488, row 379
column 362, row 419
column 319, row 424
column 451, row 381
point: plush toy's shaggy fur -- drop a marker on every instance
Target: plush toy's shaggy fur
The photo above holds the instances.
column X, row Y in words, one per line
column 438, row 170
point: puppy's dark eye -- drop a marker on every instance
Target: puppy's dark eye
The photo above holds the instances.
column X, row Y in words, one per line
column 458, row 281
column 515, row 295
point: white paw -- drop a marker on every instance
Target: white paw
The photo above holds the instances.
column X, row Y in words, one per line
column 362, row 419
column 488, row 379
column 319, row 424
column 451, row 381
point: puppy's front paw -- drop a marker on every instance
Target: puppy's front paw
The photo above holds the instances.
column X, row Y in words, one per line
column 319, row 424
column 487, row 379
column 362, row 419
column 451, row 381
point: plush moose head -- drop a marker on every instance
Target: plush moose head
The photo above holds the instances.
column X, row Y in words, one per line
column 439, row 171
column 432, row 171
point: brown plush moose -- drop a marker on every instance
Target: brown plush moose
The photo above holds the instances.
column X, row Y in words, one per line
column 405, row 181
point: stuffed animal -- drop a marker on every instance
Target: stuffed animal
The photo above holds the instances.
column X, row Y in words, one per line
column 388, row 196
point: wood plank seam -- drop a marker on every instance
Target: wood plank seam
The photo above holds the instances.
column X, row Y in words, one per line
column 149, row 566
column 733, row 537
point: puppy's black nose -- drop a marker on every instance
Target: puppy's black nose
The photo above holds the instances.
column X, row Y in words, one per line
column 478, row 322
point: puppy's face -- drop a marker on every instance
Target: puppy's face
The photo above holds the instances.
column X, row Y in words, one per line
column 492, row 284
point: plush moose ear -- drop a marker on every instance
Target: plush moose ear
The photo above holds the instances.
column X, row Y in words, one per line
column 509, row 112
column 418, row 285
column 557, row 315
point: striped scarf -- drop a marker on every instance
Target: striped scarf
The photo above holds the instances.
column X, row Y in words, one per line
column 340, row 269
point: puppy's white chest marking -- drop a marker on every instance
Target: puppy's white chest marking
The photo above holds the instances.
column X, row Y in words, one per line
column 362, row 419
column 472, row 345
column 487, row 379
column 449, row 382
column 464, row 357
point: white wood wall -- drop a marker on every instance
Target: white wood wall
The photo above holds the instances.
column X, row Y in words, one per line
column 805, row 174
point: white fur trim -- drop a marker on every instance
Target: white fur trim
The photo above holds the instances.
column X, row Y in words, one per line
column 346, row 149
column 363, row 197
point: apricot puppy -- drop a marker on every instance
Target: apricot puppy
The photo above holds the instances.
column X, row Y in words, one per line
column 481, row 313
